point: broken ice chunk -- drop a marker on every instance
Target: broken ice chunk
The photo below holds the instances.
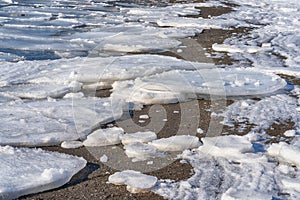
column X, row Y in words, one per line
column 138, row 137
column 104, row 137
column 135, row 181
column 71, row 144
column 176, row 143
column 141, row 151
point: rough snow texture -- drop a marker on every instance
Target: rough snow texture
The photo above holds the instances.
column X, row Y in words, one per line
column 104, row 137
column 135, row 181
column 279, row 36
column 25, row 171
column 242, row 173
column 177, row 86
column 263, row 113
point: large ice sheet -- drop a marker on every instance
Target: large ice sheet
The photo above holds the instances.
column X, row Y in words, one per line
column 41, row 91
column 45, row 122
column 25, row 171
column 179, row 85
column 99, row 71
column 108, row 70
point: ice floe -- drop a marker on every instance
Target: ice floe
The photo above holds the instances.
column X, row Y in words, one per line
column 135, row 181
column 104, row 137
column 52, row 122
column 25, row 171
column 177, row 85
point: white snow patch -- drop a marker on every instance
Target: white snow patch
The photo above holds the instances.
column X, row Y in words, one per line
column 290, row 133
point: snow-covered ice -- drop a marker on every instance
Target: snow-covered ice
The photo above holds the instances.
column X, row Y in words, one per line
column 176, row 143
column 143, row 137
column 104, row 137
column 25, row 171
column 178, row 85
column 135, row 181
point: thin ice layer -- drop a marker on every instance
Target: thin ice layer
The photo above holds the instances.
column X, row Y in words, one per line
column 41, row 123
column 177, row 85
column 25, row 171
